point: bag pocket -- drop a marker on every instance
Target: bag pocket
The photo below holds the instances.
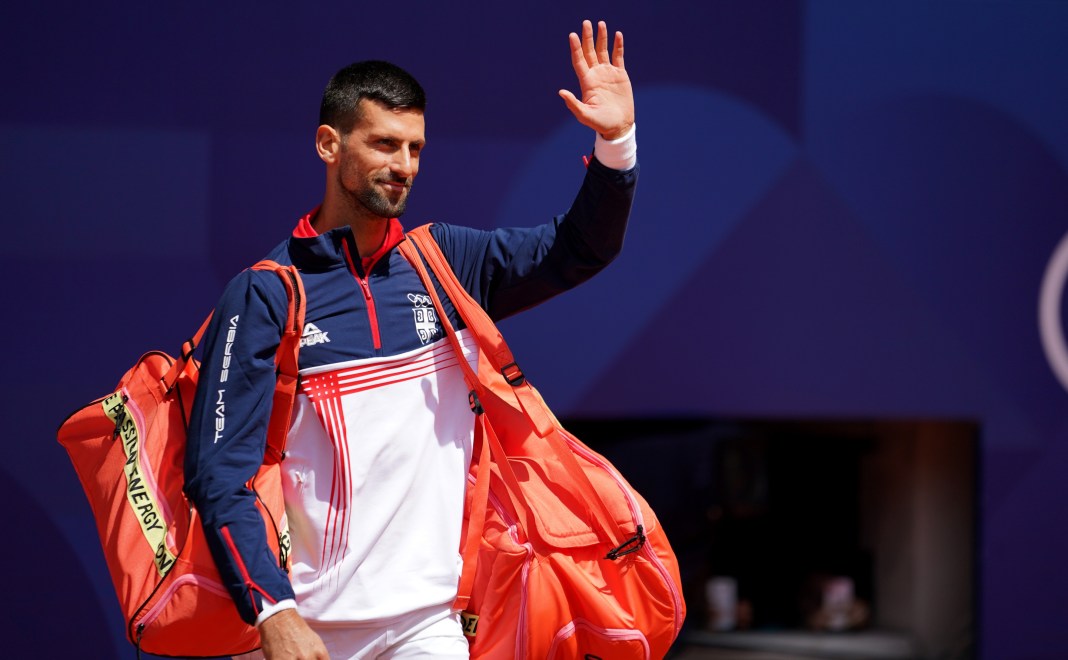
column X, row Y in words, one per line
column 582, row 639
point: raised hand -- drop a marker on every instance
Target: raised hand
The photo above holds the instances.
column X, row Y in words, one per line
column 607, row 104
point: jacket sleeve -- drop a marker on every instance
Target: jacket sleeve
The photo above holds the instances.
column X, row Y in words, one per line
column 512, row 269
column 228, row 433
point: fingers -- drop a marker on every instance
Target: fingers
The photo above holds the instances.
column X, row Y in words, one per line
column 578, row 60
column 572, row 103
column 602, row 43
column 575, row 106
column 588, row 49
column 587, row 52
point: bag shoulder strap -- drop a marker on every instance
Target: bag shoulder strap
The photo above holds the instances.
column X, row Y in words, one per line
column 285, row 360
column 492, row 346
column 488, row 337
column 481, row 459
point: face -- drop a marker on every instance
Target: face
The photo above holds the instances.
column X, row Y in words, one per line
column 379, row 158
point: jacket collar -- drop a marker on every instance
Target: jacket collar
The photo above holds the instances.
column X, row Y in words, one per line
column 311, row 249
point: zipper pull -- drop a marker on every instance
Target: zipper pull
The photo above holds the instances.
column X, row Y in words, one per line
column 633, row 544
column 119, row 419
column 140, row 632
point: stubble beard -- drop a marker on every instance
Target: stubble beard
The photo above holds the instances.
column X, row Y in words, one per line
column 370, row 198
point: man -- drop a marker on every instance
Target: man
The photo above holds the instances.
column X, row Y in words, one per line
column 380, row 442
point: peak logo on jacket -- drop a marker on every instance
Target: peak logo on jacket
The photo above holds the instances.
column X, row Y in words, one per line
column 220, row 401
column 426, row 319
column 313, row 335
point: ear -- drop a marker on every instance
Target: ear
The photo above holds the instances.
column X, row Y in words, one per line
column 327, row 144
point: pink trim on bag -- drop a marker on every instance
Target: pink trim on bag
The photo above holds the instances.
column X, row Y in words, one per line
column 616, row 634
column 513, row 531
column 496, row 502
column 146, row 471
column 647, row 551
column 521, row 626
column 635, row 512
column 632, row 504
column 198, row 580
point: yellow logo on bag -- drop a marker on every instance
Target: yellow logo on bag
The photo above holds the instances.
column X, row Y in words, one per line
column 285, row 545
column 142, row 501
column 469, row 622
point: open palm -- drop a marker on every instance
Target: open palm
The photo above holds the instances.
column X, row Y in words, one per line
column 607, row 104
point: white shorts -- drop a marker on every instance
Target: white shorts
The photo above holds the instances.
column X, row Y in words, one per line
column 428, row 633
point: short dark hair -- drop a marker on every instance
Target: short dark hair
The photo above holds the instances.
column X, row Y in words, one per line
column 373, row 79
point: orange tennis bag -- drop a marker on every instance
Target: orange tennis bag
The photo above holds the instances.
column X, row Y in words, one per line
column 128, row 449
column 562, row 558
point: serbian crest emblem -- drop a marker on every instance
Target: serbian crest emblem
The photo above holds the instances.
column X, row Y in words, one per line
column 426, row 318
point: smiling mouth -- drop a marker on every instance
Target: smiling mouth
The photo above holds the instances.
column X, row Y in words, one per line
column 396, row 187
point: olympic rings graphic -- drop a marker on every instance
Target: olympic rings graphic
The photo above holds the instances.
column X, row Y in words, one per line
column 1050, row 325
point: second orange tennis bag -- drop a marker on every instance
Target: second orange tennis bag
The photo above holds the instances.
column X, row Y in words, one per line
column 562, row 558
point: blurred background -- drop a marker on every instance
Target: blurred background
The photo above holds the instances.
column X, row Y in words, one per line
column 832, row 353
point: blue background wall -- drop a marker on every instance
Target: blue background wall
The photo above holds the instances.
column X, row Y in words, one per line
column 846, row 209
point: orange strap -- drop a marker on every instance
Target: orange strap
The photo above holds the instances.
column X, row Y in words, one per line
column 285, row 360
column 479, row 502
column 489, row 337
column 476, row 518
column 185, row 359
column 493, row 347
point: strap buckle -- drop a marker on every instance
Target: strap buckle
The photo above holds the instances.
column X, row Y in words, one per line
column 473, row 401
column 513, row 374
column 188, row 348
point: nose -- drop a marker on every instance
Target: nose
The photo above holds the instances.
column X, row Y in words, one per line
column 405, row 164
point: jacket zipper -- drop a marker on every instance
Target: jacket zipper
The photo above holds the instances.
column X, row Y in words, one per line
column 365, row 287
column 372, row 314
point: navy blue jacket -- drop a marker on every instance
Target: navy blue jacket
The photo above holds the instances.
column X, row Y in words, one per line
column 364, row 314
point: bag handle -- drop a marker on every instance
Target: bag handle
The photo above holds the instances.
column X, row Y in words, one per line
column 485, row 330
column 476, row 518
column 185, row 358
column 285, row 359
column 488, row 336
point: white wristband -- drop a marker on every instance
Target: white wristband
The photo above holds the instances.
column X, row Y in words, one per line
column 620, row 153
column 270, row 610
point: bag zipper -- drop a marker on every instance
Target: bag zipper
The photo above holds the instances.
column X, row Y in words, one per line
column 607, row 633
column 146, row 472
column 98, row 400
column 199, row 580
column 635, row 512
column 513, row 531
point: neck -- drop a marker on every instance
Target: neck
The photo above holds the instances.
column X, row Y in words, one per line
column 368, row 229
